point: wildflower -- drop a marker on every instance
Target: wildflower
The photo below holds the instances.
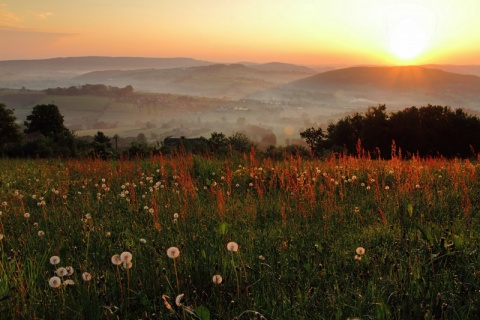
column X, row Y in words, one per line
column 54, row 282
column 357, row 257
column 41, row 233
column 86, row 276
column 173, row 252
column 26, row 215
column 69, row 282
column 88, row 216
column 70, row 270
column 178, row 299
column 232, row 246
column 387, row 188
column 360, row 250
column 116, row 260
column 143, row 240
column 217, row 279
column 175, row 216
column 61, row 272
column 126, row 256
column 54, row 260
column 127, row 264
column 261, row 257
column 108, row 233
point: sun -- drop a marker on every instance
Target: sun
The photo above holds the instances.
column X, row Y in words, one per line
column 408, row 39
column 410, row 31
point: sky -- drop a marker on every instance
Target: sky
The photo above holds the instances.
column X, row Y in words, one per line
column 306, row 32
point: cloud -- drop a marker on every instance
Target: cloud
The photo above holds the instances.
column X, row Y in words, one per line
column 8, row 18
column 43, row 15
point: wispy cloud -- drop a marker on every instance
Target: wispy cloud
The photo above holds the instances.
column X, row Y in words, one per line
column 43, row 15
column 8, row 18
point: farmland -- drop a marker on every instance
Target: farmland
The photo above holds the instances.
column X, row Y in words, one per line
column 339, row 238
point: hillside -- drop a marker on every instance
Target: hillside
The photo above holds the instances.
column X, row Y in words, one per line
column 217, row 80
column 412, row 84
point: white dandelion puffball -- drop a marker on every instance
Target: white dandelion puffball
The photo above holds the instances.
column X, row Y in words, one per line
column 173, row 252
column 116, row 260
column 360, row 250
column 69, row 282
column 86, row 276
column 126, row 256
column 232, row 246
column 26, row 215
column 54, row 260
column 178, row 299
column 55, row 282
column 143, row 240
column 127, row 264
column 61, row 272
column 41, row 233
column 217, row 279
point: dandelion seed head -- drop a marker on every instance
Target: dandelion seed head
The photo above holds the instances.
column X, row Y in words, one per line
column 70, row 270
column 116, row 260
column 126, row 256
column 127, row 264
column 61, row 272
column 41, row 233
column 360, row 250
column 86, row 276
column 173, row 252
column 54, row 260
column 26, row 215
column 69, row 282
column 143, row 240
column 217, row 279
column 232, row 246
column 55, row 282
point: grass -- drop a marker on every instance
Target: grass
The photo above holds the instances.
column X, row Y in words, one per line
column 297, row 222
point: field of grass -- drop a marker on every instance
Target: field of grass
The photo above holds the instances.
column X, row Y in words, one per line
column 343, row 238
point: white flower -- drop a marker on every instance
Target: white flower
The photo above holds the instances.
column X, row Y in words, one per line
column 26, row 215
column 61, row 272
column 116, row 260
column 54, row 282
column 41, row 233
column 178, row 299
column 232, row 246
column 173, row 252
column 54, row 260
column 127, row 264
column 217, row 279
column 86, row 276
column 143, row 240
column 126, row 256
column 175, row 216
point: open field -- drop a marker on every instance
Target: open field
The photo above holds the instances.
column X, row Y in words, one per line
column 344, row 238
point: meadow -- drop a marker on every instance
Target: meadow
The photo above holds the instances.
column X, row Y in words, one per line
column 197, row 237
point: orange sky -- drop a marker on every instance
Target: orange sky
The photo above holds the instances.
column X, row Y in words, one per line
column 305, row 32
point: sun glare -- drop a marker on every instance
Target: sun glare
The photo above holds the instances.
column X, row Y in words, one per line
column 408, row 39
column 411, row 30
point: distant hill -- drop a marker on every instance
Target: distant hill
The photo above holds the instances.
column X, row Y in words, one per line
column 87, row 64
column 462, row 69
column 410, row 84
column 216, row 80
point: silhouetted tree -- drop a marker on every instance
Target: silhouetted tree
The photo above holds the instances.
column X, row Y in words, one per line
column 315, row 139
column 9, row 130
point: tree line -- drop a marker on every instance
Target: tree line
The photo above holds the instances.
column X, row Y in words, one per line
column 425, row 131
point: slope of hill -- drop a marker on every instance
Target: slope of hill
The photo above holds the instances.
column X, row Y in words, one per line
column 383, row 85
column 461, row 69
column 216, row 80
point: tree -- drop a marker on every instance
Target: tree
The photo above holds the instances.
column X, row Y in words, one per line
column 315, row 139
column 47, row 120
column 9, row 130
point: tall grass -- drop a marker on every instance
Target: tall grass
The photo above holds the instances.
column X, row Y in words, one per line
column 297, row 222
